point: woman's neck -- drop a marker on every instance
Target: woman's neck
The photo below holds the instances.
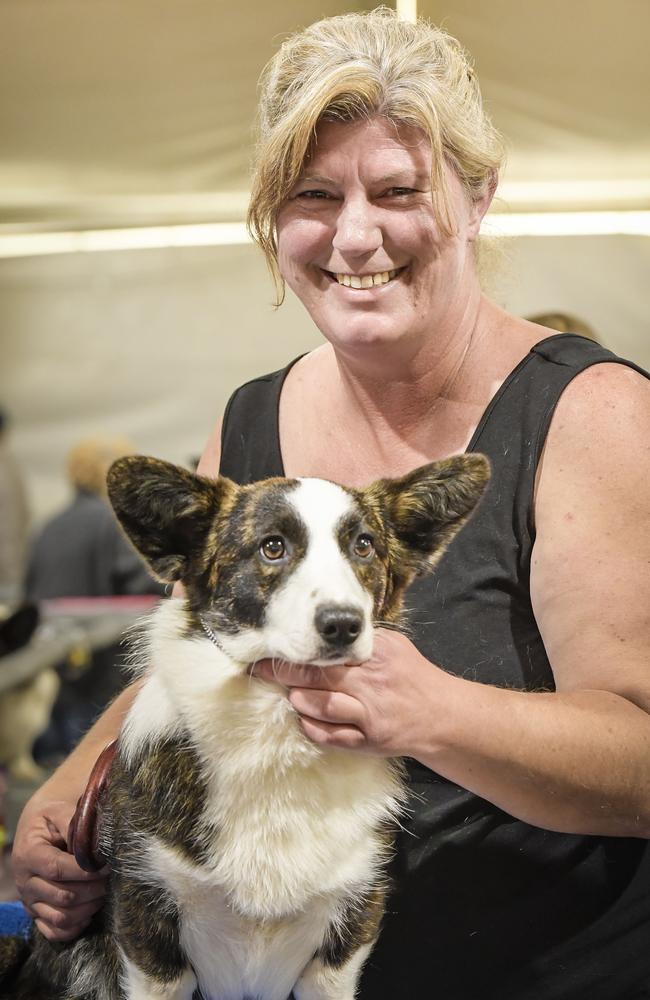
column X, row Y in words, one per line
column 400, row 386
column 367, row 415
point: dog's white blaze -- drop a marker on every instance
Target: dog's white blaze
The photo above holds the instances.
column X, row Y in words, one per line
column 323, row 577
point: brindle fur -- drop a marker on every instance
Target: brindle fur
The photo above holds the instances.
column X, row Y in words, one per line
column 361, row 920
column 359, row 925
column 203, row 532
column 161, row 793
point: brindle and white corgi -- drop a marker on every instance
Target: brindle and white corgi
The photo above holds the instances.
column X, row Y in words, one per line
column 247, row 861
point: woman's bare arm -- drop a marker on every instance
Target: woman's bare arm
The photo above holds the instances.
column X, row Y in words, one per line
column 54, row 889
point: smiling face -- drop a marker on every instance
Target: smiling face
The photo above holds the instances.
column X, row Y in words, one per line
column 358, row 239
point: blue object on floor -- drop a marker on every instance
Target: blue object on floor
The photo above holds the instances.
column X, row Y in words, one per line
column 14, row 919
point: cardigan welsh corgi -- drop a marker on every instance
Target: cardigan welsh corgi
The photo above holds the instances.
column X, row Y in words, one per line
column 247, row 861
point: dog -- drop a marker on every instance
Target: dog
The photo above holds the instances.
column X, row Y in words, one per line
column 247, row 861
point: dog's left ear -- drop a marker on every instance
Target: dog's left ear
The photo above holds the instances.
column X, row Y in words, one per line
column 427, row 507
column 166, row 511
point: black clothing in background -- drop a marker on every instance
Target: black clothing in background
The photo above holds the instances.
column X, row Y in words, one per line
column 487, row 907
column 81, row 552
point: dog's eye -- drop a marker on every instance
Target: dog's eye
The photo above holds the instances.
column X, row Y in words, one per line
column 364, row 546
column 273, row 548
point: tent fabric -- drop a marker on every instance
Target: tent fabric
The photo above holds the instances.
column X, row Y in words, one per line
column 141, row 113
column 138, row 113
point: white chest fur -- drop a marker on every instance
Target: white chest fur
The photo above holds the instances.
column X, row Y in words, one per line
column 297, row 827
column 235, row 956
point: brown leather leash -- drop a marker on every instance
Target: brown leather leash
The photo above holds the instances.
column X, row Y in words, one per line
column 83, row 832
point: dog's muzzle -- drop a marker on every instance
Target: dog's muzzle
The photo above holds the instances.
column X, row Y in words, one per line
column 338, row 626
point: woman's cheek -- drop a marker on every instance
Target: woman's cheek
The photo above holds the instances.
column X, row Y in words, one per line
column 302, row 240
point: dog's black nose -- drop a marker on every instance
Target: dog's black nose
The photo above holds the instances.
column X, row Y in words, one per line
column 339, row 626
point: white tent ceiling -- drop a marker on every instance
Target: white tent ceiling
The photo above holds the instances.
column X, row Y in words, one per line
column 132, row 113
column 139, row 112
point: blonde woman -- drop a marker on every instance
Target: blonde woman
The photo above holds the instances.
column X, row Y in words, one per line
column 521, row 698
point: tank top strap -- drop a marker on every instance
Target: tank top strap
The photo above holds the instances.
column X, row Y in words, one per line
column 250, row 437
column 515, row 424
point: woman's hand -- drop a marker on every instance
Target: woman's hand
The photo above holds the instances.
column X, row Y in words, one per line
column 55, row 890
column 384, row 705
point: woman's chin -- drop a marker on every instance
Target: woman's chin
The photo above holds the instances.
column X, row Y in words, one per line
column 365, row 332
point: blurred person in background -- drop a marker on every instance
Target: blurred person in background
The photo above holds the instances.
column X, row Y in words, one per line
column 565, row 322
column 81, row 552
column 14, row 521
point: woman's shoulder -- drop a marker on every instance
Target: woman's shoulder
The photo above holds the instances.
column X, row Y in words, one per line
column 607, row 402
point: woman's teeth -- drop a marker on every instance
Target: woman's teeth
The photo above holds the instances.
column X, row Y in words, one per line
column 366, row 280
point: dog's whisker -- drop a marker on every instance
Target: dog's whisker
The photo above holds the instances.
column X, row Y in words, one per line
column 276, row 664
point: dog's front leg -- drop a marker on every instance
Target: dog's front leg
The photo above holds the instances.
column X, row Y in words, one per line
column 147, row 930
column 322, row 981
column 335, row 970
column 140, row 986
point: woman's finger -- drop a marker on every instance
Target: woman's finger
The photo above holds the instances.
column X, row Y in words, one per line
column 327, row 706
column 62, row 895
column 332, row 734
column 300, row 674
column 63, row 925
column 54, row 864
column 68, row 918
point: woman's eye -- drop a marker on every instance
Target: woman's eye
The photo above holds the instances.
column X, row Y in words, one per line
column 364, row 546
column 273, row 548
column 313, row 195
column 399, row 191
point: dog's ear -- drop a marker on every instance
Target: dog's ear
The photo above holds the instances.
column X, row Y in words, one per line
column 426, row 507
column 165, row 511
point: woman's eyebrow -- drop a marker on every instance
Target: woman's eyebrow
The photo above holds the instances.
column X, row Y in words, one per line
column 400, row 175
column 418, row 177
column 315, row 179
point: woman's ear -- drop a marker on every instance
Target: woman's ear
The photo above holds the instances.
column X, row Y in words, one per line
column 479, row 207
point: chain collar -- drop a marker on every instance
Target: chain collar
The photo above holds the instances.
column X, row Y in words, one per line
column 210, row 634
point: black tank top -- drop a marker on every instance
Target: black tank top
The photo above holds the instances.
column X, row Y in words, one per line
column 486, row 907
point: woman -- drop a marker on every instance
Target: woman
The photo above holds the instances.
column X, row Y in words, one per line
column 522, row 699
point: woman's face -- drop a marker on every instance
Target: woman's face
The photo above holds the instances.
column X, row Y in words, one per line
column 358, row 240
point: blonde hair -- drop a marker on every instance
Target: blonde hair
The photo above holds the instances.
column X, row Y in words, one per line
column 89, row 461
column 359, row 65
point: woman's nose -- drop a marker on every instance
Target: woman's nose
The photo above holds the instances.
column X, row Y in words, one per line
column 357, row 228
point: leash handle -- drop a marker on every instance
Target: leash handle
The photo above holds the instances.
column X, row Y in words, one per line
column 83, row 832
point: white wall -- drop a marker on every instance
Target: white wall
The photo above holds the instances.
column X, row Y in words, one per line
column 148, row 344
column 602, row 279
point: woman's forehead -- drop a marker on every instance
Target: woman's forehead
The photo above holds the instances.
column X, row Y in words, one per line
column 375, row 140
